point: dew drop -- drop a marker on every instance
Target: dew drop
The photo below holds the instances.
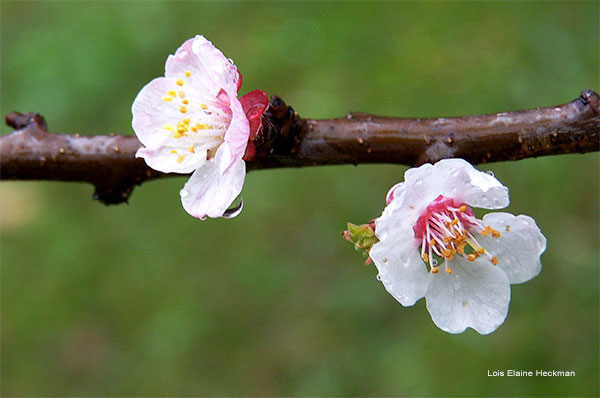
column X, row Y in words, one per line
column 378, row 277
column 434, row 262
column 235, row 208
column 490, row 172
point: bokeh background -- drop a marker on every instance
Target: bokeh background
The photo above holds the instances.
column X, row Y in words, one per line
column 144, row 300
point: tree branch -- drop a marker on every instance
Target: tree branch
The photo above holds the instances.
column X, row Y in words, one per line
column 286, row 140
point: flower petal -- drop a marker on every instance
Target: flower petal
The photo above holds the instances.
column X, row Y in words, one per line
column 173, row 159
column 208, row 68
column 475, row 295
column 454, row 178
column 401, row 270
column 236, row 137
column 519, row 247
column 209, row 192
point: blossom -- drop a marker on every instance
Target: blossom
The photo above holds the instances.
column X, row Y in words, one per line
column 191, row 120
column 431, row 245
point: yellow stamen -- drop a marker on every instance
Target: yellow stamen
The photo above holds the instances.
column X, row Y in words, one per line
column 185, row 102
column 471, row 257
column 180, row 158
column 172, row 151
column 434, row 270
column 480, row 250
column 462, row 208
column 171, row 93
column 495, row 234
column 177, row 134
column 181, row 94
column 494, row 260
column 166, row 98
column 179, row 82
column 182, row 109
column 448, row 270
column 454, row 222
column 425, row 257
column 187, row 73
column 203, row 106
column 168, row 127
column 191, row 149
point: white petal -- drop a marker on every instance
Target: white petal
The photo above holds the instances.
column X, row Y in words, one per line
column 182, row 161
column 519, row 247
column 454, row 178
column 401, row 270
column 475, row 295
column 209, row 69
column 210, row 193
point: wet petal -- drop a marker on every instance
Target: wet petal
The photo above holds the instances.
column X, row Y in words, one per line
column 210, row 192
column 401, row 270
column 454, row 178
column 475, row 295
column 519, row 247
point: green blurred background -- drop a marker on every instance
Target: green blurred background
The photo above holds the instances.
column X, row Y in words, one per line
column 144, row 300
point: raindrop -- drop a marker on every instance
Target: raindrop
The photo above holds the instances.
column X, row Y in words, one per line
column 378, row 277
column 434, row 262
column 235, row 208
column 490, row 172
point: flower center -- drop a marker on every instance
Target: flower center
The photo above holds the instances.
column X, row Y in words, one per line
column 446, row 229
column 202, row 126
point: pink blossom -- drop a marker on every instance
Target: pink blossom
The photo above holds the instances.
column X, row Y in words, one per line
column 191, row 121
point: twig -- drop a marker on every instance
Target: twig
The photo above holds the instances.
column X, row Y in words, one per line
column 286, row 140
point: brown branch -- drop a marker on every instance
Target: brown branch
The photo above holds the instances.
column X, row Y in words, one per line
column 286, row 140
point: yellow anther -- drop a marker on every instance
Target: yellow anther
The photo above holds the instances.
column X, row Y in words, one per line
column 177, row 134
column 185, row 121
column 166, row 98
column 181, row 94
column 180, row 158
column 182, row 109
column 434, row 270
column 425, row 257
column 179, row 82
column 187, row 73
column 172, row 93
column 471, row 257
column 185, row 102
column 460, row 250
column 494, row 260
column 495, row 233
column 203, row 106
column 194, row 129
column 448, row 270
column 454, row 222
column 191, row 149
column 172, row 151
column 168, row 127
column 462, row 208
column 480, row 250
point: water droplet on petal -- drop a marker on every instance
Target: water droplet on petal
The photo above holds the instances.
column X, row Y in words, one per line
column 235, row 208
column 378, row 277
column 434, row 262
column 490, row 172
